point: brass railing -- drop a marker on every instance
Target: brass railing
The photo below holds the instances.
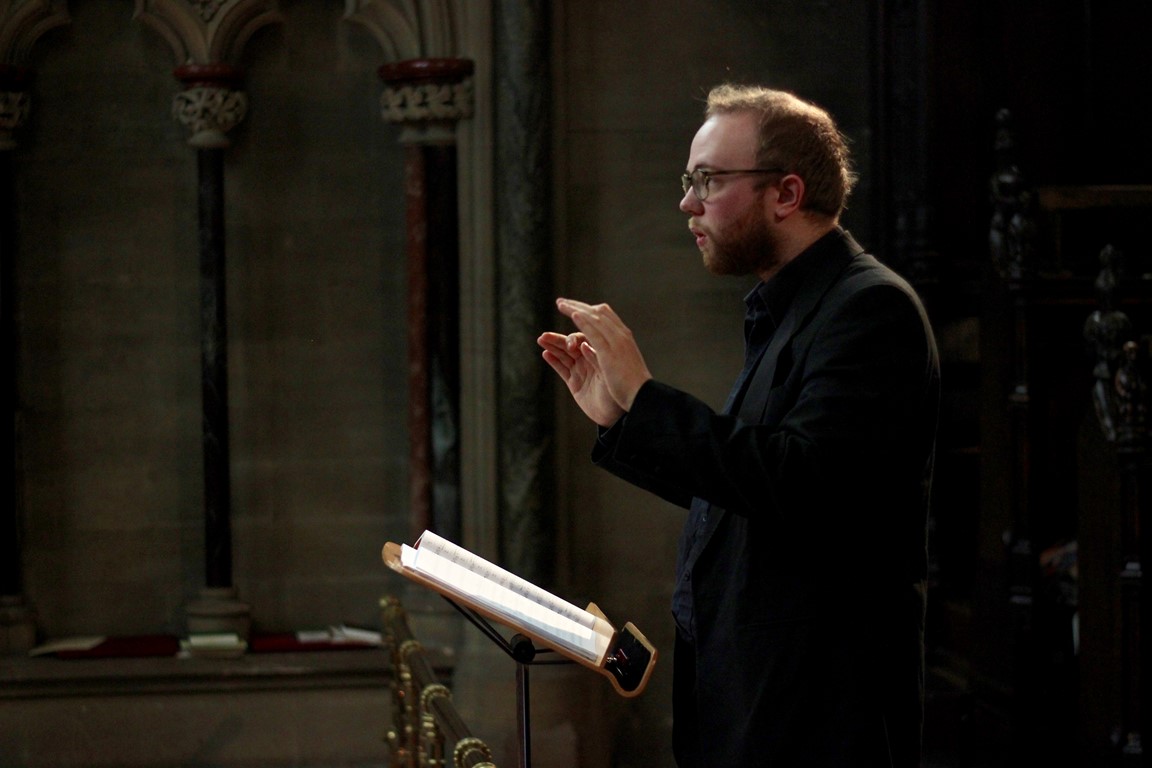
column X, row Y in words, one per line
column 427, row 731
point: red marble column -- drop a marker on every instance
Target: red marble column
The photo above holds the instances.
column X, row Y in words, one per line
column 419, row 405
column 428, row 97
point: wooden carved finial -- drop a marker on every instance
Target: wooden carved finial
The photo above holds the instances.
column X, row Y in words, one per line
column 1105, row 329
column 1012, row 233
column 1131, row 384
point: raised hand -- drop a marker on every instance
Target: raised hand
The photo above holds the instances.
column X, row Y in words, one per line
column 584, row 382
column 609, row 347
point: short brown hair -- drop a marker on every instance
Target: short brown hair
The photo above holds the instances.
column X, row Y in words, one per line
column 796, row 136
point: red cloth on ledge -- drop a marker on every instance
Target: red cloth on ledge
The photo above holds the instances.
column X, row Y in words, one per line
column 138, row 646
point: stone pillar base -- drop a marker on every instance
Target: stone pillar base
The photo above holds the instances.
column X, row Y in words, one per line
column 217, row 610
column 17, row 627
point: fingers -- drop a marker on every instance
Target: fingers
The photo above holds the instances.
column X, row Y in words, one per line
column 570, row 356
column 566, row 347
column 556, row 342
column 588, row 353
column 570, row 307
column 561, row 366
column 599, row 323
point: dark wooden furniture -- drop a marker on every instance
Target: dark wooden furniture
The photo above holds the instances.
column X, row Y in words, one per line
column 1064, row 475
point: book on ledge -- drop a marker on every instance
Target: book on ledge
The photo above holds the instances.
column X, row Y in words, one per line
column 581, row 634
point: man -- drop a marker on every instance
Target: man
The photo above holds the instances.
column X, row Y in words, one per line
column 799, row 601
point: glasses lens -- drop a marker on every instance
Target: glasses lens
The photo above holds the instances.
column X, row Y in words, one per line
column 700, row 184
column 685, row 182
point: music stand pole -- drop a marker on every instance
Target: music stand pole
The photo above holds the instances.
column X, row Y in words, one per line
column 523, row 715
column 523, row 652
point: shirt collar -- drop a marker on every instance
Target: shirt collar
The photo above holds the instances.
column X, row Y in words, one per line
column 770, row 300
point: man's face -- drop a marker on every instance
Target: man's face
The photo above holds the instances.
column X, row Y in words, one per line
column 731, row 226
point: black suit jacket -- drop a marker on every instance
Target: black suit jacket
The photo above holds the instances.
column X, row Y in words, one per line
column 808, row 575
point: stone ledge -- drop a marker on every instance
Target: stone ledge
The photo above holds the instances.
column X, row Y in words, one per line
column 26, row 678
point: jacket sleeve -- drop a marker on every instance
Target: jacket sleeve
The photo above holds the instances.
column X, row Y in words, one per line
column 862, row 374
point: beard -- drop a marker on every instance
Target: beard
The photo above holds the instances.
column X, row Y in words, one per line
column 748, row 246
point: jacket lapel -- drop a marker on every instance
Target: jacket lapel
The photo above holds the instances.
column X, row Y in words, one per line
column 825, row 271
column 823, row 275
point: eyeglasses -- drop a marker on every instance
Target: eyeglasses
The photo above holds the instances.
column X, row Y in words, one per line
column 698, row 180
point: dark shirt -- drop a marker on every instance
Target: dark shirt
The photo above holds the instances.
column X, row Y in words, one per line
column 766, row 304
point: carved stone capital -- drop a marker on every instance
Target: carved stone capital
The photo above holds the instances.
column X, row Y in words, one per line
column 14, row 109
column 429, row 95
column 209, row 113
column 205, row 35
column 15, row 103
column 429, row 101
column 210, row 105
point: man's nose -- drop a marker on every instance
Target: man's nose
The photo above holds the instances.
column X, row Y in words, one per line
column 690, row 204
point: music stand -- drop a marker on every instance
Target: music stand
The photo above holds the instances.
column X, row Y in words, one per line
column 624, row 655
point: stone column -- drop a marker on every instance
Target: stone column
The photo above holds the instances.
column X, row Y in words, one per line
column 524, row 286
column 210, row 105
column 21, row 26
column 204, row 36
column 427, row 97
column 17, row 628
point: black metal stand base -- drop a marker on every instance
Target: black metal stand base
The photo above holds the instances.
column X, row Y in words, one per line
column 522, row 650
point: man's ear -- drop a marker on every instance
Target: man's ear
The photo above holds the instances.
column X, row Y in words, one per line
column 789, row 195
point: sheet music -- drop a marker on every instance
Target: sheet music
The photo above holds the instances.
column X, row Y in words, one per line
column 504, row 593
column 510, row 581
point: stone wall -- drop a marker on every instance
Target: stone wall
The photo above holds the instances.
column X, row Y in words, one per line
column 109, row 321
column 315, row 242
